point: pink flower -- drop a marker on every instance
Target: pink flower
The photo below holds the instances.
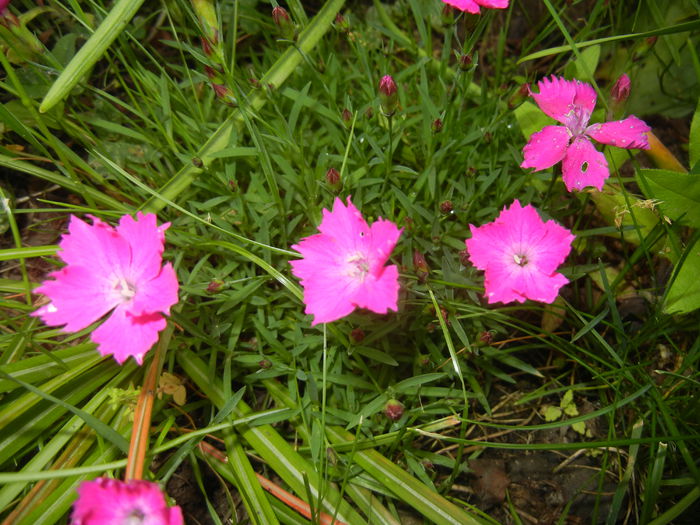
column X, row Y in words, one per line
column 472, row 6
column 112, row 270
column 343, row 266
column 520, row 254
column 106, row 501
column 571, row 103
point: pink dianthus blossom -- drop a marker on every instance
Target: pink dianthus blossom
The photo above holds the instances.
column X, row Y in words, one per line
column 114, row 270
column 472, row 6
column 106, row 501
column 571, row 103
column 343, row 266
column 520, row 254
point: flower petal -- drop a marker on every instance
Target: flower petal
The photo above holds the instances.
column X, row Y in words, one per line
column 78, row 296
column 630, row 133
column 546, row 147
column 345, row 225
column 379, row 294
column 157, row 294
column 124, row 335
column 558, row 97
column 146, row 241
column 380, row 243
column 470, row 6
column 493, row 4
column 584, row 166
column 506, row 284
column 97, row 246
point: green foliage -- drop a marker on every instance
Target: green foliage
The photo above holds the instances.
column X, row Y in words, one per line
column 231, row 145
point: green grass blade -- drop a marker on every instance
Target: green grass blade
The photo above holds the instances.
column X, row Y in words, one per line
column 110, row 28
column 427, row 502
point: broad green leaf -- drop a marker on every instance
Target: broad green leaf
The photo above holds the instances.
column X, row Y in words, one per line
column 678, row 194
column 694, row 140
column 530, row 118
column 684, row 294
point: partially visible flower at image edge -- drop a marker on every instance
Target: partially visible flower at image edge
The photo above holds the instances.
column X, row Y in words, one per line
column 343, row 267
column 571, row 102
column 520, row 254
column 472, row 6
column 106, row 501
column 117, row 270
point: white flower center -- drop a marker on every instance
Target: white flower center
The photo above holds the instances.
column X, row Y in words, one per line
column 135, row 517
column 520, row 259
column 357, row 266
column 125, row 289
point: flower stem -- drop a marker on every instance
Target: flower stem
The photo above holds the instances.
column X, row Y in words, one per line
column 142, row 415
column 662, row 156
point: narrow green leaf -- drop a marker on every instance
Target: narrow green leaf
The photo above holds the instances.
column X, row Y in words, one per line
column 110, row 28
column 427, row 502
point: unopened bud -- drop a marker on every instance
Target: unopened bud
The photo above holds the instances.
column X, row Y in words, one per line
column 284, row 23
column 224, row 93
column 357, row 335
column 621, row 90
column 421, row 266
column 388, row 95
column 464, row 258
column 519, row 96
column 436, row 126
column 333, row 177
column 486, row 337
column 465, row 62
column 446, row 207
column 265, row 364
column 215, row 286
column 346, row 115
column 393, row 409
column 341, row 23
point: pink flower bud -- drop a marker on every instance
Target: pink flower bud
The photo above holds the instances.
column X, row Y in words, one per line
column 465, row 62
column 621, row 90
column 436, row 126
column 281, row 18
column 333, row 177
column 393, row 409
column 346, row 115
column 388, row 95
column 421, row 266
column 357, row 335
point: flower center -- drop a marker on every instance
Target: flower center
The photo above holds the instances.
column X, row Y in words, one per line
column 135, row 517
column 577, row 121
column 520, row 259
column 125, row 289
column 357, row 266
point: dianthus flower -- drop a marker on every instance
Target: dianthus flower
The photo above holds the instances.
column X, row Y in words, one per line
column 520, row 254
column 472, row 6
column 571, row 103
column 114, row 270
column 106, row 501
column 343, row 266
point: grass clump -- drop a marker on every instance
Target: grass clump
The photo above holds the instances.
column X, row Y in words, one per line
column 240, row 128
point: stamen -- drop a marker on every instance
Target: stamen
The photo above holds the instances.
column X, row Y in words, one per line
column 520, row 260
column 125, row 289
